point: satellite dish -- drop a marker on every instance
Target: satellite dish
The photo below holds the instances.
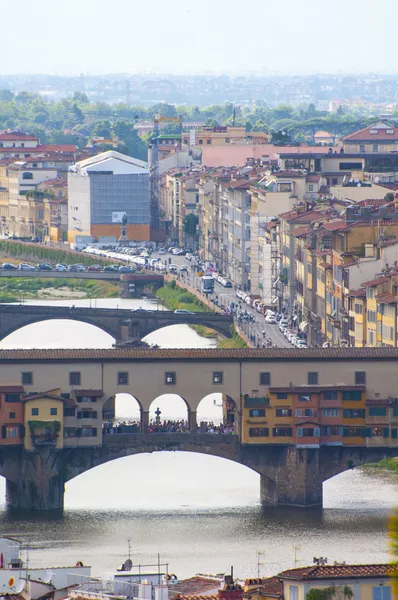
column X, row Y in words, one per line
column 19, row 586
column 127, row 565
column 47, row 578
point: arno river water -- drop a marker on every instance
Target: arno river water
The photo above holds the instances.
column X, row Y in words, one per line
column 201, row 513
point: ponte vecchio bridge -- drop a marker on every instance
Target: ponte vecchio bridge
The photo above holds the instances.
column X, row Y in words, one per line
column 293, row 453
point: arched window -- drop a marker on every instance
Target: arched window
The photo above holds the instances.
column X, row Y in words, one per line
column 27, row 175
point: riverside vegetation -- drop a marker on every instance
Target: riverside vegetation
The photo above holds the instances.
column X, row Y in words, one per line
column 15, row 289
column 176, row 298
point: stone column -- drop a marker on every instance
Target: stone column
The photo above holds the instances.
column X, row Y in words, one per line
column 144, row 421
column 39, row 483
column 297, row 481
column 193, row 426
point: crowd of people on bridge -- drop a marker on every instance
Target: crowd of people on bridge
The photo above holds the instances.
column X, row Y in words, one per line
column 166, row 426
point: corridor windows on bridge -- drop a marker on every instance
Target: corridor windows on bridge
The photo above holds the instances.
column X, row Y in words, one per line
column 216, row 414
column 265, row 378
column 75, row 378
column 360, row 378
column 123, row 378
column 169, row 413
column 313, row 378
column 27, row 378
column 170, row 378
column 218, row 377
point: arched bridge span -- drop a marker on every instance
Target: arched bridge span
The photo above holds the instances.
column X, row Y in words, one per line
column 289, row 475
column 122, row 324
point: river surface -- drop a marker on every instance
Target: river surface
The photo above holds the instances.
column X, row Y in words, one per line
column 201, row 513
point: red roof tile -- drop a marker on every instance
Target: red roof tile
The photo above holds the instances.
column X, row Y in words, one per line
column 194, row 586
column 271, row 586
column 381, row 135
column 16, row 136
column 334, row 224
column 337, row 571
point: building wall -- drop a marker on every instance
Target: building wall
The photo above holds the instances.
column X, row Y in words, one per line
column 11, row 417
column 44, row 406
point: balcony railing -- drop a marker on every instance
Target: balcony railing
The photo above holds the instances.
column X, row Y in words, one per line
column 44, row 439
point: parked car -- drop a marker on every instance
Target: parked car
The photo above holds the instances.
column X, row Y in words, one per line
column 162, row 251
column 183, row 269
column 227, row 283
column 283, row 323
column 44, row 267
column 181, row 311
column 124, row 269
column 111, row 269
column 9, row 267
column 61, row 268
column 270, row 320
column 94, row 268
column 173, row 268
column 26, row 267
column 301, row 344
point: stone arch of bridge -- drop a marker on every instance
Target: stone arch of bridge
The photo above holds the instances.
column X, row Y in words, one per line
column 114, row 332
column 147, row 328
column 160, row 443
column 217, row 407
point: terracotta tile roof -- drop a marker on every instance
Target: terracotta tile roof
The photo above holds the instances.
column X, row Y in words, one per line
column 287, row 173
column 372, row 282
column 313, row 178
column 186, row 355
column 270, row 586
column 300, row 231
column 336, row 571
column 42, row 395
column 334, row 224
column 16, row 389
column 197, row 597
column 14, row 136
column 381, row 135
column 357, row 293
column 374, row 202
column 194, row 586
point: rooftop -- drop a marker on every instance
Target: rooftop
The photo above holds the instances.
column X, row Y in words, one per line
column 194, row 586
column 337, row 571
column 210, row 354
column 377, row 131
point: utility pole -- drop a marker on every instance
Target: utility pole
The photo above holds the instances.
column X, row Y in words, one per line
column 259, row 564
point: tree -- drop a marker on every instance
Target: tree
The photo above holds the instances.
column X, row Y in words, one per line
column 337, row 592
column 393, row 530
column 81, row 98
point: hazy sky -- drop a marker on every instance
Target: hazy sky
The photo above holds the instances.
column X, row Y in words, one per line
column 196, row 36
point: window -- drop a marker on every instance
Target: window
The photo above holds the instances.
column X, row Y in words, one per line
column 200, row 142
column 313, row 378
column 11, row 415
column 123, row 378
column 86, row 399
column 74, row 378
column 208, row 141
column 349, row 166
column 375, row 147
column 88, row 432
column 53, row 412
column 12, row 398
column 35, row 412
column 381, row 592
column 12, row 431
column 87, row 414
column 293, row 589
column 27, row 378
column 282, row 432
column 311, row 188
column 354, row 413
column 257, row 412
column 218, row 377
column 305, row 412
column 352, row 395
column 258, row 432
column 27, row 175
column 69, row 432
column 281, row 395
column 377, row 411
column 332, row 430
column 360, row 377
column 308, row 432
column 305, row 398
column 395, row 411
column 358, row 309
column 330, row 395
column 265, row 378
column 283, row 412
column 362, row 148
column 227, row 140
column 330, row 412
column 69, row 411
column 170, row 378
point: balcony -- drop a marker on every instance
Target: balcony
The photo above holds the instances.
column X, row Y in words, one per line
column 256, row 401
column 44, row 439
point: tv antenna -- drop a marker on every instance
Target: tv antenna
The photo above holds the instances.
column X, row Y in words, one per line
column 259, row 564
column 296, row 549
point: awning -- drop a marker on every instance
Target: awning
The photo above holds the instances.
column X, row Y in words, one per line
column 303, row 326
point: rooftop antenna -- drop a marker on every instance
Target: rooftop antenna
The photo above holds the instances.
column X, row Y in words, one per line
column 259, row 564
column 295, row 550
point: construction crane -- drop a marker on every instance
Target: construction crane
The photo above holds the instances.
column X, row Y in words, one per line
column 158, row 121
